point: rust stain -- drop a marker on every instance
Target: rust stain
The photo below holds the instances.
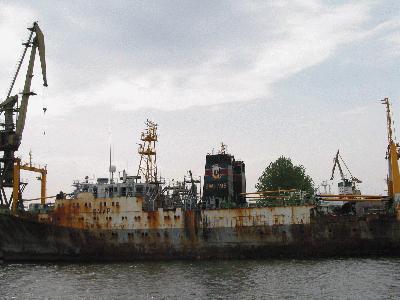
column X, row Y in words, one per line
column 153, row 220
column 126, row 213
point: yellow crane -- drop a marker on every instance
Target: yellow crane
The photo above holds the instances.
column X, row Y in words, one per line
column 17, row 175
column 392, row 155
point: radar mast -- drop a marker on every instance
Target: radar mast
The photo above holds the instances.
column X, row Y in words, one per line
column 148, row 155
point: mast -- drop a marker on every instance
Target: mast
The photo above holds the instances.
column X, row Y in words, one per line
column 148, row 155
column 109, row 167
column 112, row 169
column 392, row 156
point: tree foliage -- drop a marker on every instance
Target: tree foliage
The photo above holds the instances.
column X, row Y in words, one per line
column 282, row 174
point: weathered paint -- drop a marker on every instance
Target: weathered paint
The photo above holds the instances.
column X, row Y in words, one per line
column 260, row 216
column 26, row 240
column 86, row 212
column 98, row 229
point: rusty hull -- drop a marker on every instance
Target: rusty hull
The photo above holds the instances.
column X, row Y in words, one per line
column 24, row 240
column 87, row 212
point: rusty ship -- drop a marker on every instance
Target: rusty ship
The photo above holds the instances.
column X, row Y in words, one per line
column 137, row 217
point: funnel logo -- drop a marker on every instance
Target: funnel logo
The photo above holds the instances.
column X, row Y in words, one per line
column 216, row 172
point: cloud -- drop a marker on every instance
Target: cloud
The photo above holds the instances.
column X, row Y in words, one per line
column 147, row 59
column 392, row 41
column 169, row 57
column 354, row 112
column 13, row 23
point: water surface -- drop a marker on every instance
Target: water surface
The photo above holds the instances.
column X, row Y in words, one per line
column 361, row 278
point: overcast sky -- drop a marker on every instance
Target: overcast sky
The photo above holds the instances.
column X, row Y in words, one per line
column 296, row 78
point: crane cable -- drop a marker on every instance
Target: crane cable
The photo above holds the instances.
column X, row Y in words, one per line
column 351, row 175
column 44, row 108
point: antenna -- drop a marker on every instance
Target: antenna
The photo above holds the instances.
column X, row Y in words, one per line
column 111, row 169
column 223, row 148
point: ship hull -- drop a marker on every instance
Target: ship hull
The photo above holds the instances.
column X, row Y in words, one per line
column 24, row 240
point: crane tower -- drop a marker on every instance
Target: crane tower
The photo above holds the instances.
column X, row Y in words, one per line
column 392, row 155
column 346, row 186
column 13, row 112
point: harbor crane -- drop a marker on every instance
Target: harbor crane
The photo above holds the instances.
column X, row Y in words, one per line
column 15, row 114
column 392, row 155
column 346, row 186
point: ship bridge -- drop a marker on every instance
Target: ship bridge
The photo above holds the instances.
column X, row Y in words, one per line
column 105, row 188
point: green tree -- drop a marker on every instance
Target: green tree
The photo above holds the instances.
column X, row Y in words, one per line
column 282, row 174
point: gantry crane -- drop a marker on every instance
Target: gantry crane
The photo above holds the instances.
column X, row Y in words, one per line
column 346, row 186
column 17, row 191
column 15, row 114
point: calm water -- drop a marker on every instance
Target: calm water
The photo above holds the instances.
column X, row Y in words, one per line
column 246, row 279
